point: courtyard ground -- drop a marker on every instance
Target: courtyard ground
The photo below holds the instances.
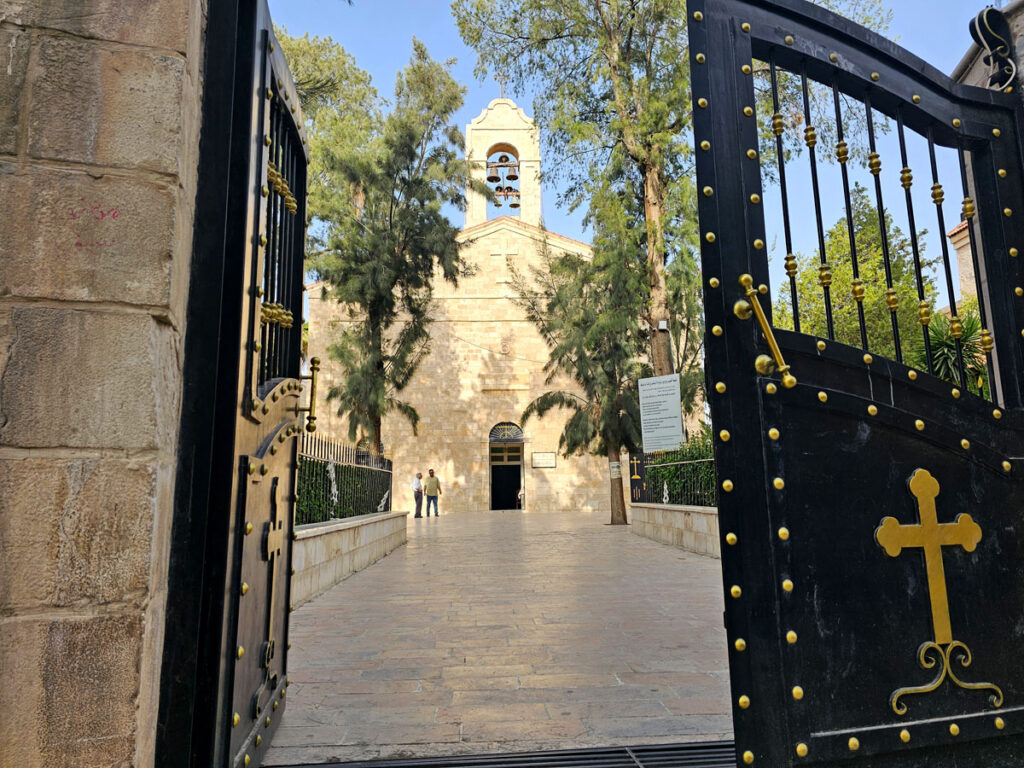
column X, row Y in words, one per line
column 506, row 632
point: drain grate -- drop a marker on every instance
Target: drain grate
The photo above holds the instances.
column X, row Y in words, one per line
column 708, row 754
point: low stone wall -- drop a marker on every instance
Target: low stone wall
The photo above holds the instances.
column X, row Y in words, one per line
column 325, row 553
column 694, row 529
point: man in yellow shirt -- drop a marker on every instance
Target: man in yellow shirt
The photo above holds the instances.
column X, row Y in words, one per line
column 432, row 488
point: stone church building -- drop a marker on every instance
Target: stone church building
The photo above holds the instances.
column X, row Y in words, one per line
column 486, row 361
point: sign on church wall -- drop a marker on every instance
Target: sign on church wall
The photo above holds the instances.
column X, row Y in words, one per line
column 544, row 460
column 661, row 418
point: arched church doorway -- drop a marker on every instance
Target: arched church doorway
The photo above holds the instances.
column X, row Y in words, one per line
column 506, row 462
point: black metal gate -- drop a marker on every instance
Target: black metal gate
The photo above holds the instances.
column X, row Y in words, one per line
column 224, row 682
column 869, row 507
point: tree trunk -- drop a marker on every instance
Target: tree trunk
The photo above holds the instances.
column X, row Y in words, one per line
column 615, row 487
column 654, row 212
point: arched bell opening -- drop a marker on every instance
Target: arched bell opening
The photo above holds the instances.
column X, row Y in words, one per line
column 503, row 178
column 505, row 446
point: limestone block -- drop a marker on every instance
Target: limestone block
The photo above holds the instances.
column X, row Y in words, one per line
column 77, row 683
column 101, row 87
column 91, row 239
column 87, row 380
column 14, row 44
column 74, row 532
column 157, row 23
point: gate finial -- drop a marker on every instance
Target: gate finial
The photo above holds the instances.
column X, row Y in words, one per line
column 991, row 31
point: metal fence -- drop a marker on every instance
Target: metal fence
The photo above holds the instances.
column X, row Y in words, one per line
column 338, row 481
column 654, row 480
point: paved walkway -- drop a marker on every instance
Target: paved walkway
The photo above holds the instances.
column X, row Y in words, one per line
column 504, row 631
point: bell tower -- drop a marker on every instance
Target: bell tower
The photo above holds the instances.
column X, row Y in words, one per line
column 503, row 148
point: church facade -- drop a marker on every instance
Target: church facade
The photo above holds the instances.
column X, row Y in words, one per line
column 486, row 361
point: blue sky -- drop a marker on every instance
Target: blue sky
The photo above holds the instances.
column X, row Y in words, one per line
column 378, row 33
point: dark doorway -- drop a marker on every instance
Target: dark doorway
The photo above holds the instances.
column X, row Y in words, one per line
column 505, row 485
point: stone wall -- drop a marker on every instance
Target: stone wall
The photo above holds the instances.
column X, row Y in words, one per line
column 325, row 553
column 99, row 121
column 694, row 529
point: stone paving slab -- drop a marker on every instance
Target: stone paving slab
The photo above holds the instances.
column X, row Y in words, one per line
column 509, row 632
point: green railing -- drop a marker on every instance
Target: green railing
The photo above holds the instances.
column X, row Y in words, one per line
column 338, row 481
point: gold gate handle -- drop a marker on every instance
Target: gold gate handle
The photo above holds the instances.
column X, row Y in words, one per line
column 752, row 304
column 314, row 369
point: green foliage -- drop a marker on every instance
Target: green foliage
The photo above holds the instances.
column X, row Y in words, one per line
column 943, row 349
column 359, row 491
column 389, row 237
column 340, row 108
column 877, row 316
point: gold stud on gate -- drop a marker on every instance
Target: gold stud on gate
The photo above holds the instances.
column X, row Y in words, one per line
column 905, row 736
column 748, row 757
column 740, row 644
column 743, row 702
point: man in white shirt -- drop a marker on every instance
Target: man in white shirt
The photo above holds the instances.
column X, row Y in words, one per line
column 417, row 492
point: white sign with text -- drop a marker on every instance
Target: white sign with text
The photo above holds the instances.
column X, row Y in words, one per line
column 661, row 418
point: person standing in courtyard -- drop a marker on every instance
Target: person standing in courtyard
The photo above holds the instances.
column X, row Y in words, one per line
column 432, row 487
column 417, row 492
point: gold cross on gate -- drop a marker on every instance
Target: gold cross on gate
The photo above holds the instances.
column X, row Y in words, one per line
column 636, row 468
column 274, row 538
column 932, row 536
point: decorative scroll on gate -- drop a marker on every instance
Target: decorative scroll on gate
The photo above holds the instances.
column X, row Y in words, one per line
column 871, row 500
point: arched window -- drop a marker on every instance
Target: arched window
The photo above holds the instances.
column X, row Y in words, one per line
column 506, row 432
column 503, row 174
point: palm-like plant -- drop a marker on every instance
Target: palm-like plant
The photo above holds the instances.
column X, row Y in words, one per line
column 943, row 345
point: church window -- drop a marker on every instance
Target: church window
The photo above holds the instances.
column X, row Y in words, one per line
column 506, row 432
column 503, row 176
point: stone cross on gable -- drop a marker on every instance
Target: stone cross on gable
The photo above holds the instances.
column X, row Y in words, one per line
column 507, row 254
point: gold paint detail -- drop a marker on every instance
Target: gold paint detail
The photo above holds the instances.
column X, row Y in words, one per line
column 919, row 425
column 956, row 327
column 235, row 719
column 825, row 275
column 700, row 58
column 758, row 244
column 259, row 739
column 248, row 528
column 798, row 692
column 735, row 591
column 789, row 40
column 275, row 314
column 874, row 76
column 1000, row 723
column 873, row 410
column 954, row 729
column 906, row 178
column 740, row 644
column 727, row 486
column 787, row 585
column 724, row 435
column 996, row 132
column 810, row 136
column 698, row 16
column 965, row 444
column 716, row 330
column 247, row 759
column 784, row 533
column 748, row 111
column 937, row 195
column 833, row 57
column 857, row 289
column 932, row 536
column 955, row 392
column 746, row 69
column 702, row 102
column 744, row 702
column 764, row 364
column 791, row 637
column 280, row 185
column 916, row 99
column 773, row 433
column 748, row 757
column 755, row 198
column 779, row 483
column 778, row 125
column 1013, row 253
column 240, row 652
column 1007, row 212
column 892, row 301
column 245, row 587
column 714, row 282
column 1007, row 466
column 853, row 744
column 276, row 704
column 1002, row 173
column 956, row 122
column 823, row 397
column 705, row 145
column 771, row 389
column 720, row 387
column 986, row 341
column 924, row 313
column 745, row 27
column 731, row 539
column 968, row 209
column 708, row 191
column 742, row 309
column 710, row 237
column 874, row 163
column 266, row 722
column 1018, row 291
column 790, row 265
column 801, row 748
column 821, row 346
column 997, row 414
column 752, row 154
column 747, row 281
column 842, row 152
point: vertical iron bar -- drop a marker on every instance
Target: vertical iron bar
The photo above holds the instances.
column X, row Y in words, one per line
column 777, row 128
column 907, row 179
column 968, row 214
column 842, row 154
column 810, row 137
column 875, row 166
column 937, row 199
